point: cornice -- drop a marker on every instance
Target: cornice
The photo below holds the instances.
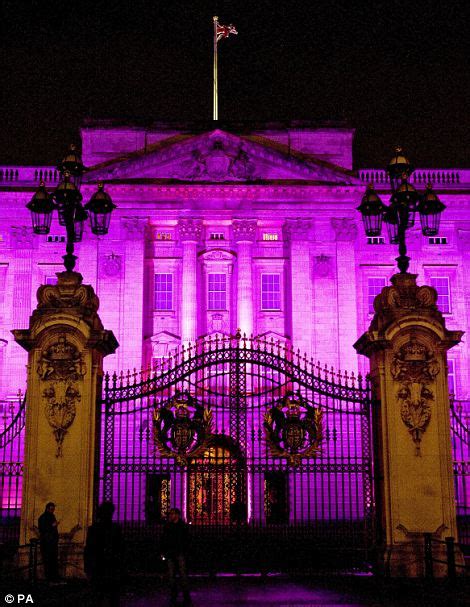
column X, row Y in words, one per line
column 211, row 190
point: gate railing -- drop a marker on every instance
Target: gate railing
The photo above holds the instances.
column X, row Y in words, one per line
column 460, row 436
column 16, row 425
column 212, row 351
column 239, row 485
column 11, row 468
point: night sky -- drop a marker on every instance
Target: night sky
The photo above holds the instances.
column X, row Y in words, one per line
column 396, row 71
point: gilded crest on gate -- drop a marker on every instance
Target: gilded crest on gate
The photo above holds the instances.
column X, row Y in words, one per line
column 182, row 427
column 293, row 429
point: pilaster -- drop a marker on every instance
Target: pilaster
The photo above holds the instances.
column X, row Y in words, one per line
column 66, row 344
column 407, row 345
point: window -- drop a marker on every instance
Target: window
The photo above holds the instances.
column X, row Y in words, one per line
column 375, row 240
column 164, row 291
column 270, row 292
column 55, row 239
column 216, row 291
column 441, row 284
column 217, row 236
column 438, row 240
column 164, row 236
column 451, row 376
column 270, row 236
column 374, row 287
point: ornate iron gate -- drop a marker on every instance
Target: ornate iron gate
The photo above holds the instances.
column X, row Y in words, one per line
column 460, row 436
column 12, row 423
column 267, row 455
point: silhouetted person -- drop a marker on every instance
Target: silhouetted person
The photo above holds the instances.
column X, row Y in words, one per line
column 103, row 556
column 277, row 510
column 49, row 542
column 175, row 544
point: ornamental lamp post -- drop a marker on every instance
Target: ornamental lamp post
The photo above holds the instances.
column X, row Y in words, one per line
column 100, row 208
column 72, row 162
column 430, row 209
column 41, row 207
column 372, row 211
column 67, row 200
column 66, row 343
column 400, row 215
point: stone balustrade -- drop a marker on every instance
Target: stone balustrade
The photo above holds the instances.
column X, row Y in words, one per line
column 437, row 177
column 27, row 175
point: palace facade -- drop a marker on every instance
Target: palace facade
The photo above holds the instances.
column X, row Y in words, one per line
column 250, row 227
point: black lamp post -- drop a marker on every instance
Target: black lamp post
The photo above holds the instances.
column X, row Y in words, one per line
column 400, row 215
column 67, row 200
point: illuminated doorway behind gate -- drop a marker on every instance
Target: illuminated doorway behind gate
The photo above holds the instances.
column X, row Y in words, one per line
column 217, row 485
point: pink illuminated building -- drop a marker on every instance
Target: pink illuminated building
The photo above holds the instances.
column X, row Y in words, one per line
column 250, row 226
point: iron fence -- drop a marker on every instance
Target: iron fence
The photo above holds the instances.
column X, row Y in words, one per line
column 460, row 436
column 281, row 468
column 13, row 415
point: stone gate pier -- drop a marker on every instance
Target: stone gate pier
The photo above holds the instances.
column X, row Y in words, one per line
column 407, row 345
column 66, row 344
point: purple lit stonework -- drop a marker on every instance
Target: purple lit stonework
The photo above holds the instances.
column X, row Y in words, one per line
column 216, row 231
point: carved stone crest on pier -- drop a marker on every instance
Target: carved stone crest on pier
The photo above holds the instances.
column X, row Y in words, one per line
column 414, row 368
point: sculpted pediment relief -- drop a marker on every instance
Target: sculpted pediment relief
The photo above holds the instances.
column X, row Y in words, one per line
column 272, row 336
column 219, row 157
column 218, row 163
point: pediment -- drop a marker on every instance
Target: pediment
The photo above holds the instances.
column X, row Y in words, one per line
column 216, row 336
column 272, row 337
column 164, row 337
column 163, row 344
column 220, row 157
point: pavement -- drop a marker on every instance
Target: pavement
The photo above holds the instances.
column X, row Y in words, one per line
column 253, row 591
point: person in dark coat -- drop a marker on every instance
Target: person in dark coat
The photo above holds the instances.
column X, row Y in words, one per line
column 103, row 556
column 175, row 545
column 49, row 542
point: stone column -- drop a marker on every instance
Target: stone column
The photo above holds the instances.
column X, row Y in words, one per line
column 244, row 233
column 345, row 230
column 66, row 343
column 407, row 345
column 298, row 231
column 189, row 233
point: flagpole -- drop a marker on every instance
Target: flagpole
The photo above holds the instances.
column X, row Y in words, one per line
column 216, row 92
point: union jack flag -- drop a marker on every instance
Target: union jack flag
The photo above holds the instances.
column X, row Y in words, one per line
column 224, row 31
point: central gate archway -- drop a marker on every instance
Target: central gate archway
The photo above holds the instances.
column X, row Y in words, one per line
column 267, row 454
